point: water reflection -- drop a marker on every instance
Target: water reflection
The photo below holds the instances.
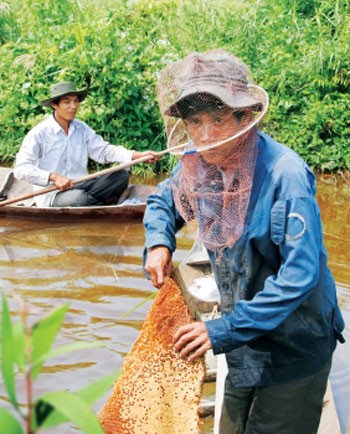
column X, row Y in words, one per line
column 333, row 197
column 96, row 267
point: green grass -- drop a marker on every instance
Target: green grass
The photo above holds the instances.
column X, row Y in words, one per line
column 296, row 49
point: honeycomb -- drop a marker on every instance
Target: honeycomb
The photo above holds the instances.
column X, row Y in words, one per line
column 157, row 391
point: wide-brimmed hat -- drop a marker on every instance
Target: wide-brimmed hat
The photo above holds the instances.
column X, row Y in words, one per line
column 215, row 73
column 64, row 88
column 208, row 82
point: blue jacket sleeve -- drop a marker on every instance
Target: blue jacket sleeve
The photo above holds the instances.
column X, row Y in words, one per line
column 161, row 219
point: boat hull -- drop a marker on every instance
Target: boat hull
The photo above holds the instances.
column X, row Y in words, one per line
column 131, row 205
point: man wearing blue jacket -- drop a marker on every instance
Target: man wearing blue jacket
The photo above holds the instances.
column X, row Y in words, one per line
column 254, row 201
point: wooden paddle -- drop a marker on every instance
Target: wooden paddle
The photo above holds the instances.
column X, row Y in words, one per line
column 87, row 177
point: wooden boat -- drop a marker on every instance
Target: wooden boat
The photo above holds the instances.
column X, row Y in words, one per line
column 196, row 266
column 130, row 206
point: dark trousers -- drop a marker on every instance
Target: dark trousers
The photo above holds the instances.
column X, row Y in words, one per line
column 104, row 190
column 290, row 408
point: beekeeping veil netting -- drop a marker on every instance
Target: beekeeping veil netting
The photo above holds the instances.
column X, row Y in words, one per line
column 211, row 111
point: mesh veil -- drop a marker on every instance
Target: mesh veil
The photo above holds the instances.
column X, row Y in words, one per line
column 217, row 196
column 209, row 104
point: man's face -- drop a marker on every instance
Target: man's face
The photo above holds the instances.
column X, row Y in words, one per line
column 206, row 129
column 67, row 107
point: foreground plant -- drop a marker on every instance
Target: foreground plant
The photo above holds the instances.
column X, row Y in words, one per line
column 24, row 349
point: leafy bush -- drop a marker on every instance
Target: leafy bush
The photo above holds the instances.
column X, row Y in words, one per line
column 296, row 49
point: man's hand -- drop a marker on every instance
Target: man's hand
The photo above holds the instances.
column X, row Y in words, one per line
column 192, row 341
column 61, row 182
column 153, row 156
column 158, row 264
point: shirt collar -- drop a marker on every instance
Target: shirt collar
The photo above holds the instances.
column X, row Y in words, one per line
column 57, row 127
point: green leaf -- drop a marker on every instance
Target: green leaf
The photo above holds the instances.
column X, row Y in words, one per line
column 96, row 389
column 89, row 394
column 64, row 349
column 19, row 340
column 10, row 422
column 7, row 349
column 43, row 335
column 76, row 410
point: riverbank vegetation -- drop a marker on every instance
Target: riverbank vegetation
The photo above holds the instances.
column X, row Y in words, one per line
column 296, row 49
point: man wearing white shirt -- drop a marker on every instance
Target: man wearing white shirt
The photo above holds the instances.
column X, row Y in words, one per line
column 57, row 150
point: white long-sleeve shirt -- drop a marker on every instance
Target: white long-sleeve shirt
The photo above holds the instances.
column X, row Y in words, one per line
column 47, row 148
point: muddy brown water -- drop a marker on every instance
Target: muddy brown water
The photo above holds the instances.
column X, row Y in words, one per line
column 96, row 267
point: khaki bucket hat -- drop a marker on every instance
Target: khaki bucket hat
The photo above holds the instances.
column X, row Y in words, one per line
column 64, row 88
column 216, row 73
